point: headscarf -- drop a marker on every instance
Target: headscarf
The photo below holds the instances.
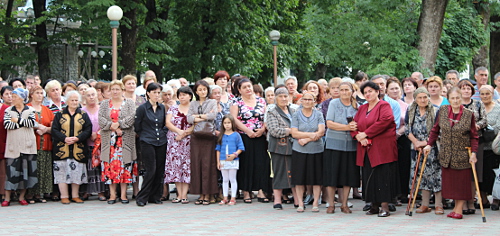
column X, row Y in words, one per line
column 22, row 93
column 429, row 111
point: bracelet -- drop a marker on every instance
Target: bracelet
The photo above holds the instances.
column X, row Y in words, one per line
column 236, row 154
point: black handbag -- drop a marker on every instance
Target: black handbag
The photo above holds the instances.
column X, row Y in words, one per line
column 488, row 134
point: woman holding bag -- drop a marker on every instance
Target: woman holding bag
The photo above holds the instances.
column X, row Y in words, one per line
column 201, row 114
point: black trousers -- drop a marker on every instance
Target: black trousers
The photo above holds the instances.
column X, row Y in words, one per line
column 153, row 159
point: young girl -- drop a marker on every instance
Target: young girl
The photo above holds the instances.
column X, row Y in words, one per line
column 229, row 146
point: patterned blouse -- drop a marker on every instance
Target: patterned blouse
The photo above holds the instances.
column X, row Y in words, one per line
column 477, row 107
column 251, row 117
column 221, row 114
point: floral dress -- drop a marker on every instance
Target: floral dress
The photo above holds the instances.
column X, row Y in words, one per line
column 431, row 179
column 116, row 171
column 178, row 161
column 251, row 117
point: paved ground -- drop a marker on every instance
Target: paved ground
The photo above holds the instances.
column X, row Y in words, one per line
column 95, row 217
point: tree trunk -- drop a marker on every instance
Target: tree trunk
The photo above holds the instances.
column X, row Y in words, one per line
column 128, row 33
column 430, row 26
column 494, row 48
column 8, row 19
column 42, row 45
column 481, row 58
column 320, row 71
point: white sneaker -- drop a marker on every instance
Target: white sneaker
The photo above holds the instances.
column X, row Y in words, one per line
column 349, row 204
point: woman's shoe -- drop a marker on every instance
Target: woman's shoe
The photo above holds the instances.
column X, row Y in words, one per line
column 300, row 209
column 65, row 201
column 248, row 200
column 77, row 200
column 125, row 201
column 5, row 203
column 372, row 211
column 308, row 200
column 494, row 207
column 278, row 207
column 40, row 200
column 451, row 214
column 176, row 200
column 438, row 210
column 263, row 199
column 223, row 202
column 111, row 201
column 232, row 202
column 457, row 216
column 383, row 213
column 315, row 209
column 345, row 209
column 423, row 209
column 185, row 201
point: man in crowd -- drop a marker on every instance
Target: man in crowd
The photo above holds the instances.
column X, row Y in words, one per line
column 291, row 84
column 481, row 76
column 419, row 77
column 30, row 82
column 452, row 75
column 183, row 82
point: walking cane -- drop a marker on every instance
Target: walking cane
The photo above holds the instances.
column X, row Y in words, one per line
column 477, row 184
column 413, row 183
column 419, row 179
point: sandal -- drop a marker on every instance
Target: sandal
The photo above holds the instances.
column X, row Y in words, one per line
column 300, row 209
column 206, row 202
column 223, row 202
column 31, row 201
column 176, row 200
column 315, row 209
column 40, row 200
column 263, row 199
column 55, row 198
column 198, row 202
column 185, row 201
column 248, row 200
column 102, row 198
column 164, row 199
column 286, row 201
column 232, row 203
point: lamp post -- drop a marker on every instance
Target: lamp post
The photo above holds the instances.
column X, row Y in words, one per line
column 115, row 14
column 274, row 35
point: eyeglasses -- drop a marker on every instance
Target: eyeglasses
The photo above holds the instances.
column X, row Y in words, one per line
column 307, row 99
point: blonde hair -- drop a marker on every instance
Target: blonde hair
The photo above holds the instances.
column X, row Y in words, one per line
column 434, row 79
column 129, row 77
column 51, row 84
column 117, row 82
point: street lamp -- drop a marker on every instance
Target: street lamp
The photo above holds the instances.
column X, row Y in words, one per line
column 274, row 35
column 115, row 14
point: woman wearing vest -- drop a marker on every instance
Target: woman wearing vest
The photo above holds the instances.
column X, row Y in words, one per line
column 457, row 128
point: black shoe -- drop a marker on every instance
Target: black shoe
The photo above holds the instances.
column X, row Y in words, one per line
column 383, row 213
column 278, row 207
column 141, row 204
column 111, row 201
column 156, row 202
column 367, row 207
column 125, row 201
column 485, row 205
column 392, row 207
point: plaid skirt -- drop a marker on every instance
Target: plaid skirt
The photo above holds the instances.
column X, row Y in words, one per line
column 21, row 172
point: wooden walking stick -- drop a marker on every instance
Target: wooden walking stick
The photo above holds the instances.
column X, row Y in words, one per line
column 477, row 184
column 413, row 182
column 419, row 179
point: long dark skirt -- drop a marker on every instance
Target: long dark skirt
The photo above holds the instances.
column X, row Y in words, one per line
column 282, row 169
column 480, row 160
column 21, row 172
column 340, row 169
column 457, row 184
column 255, row 165
column 95, row 184
column 3, row 176
column 380, row 183
column 203, row 166
column 404, row 162
column 307, row 169
column 45, row 173
column 491, row 161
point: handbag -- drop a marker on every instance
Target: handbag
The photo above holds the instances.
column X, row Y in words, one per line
column 496, row 186
column 488, row 134
column 204, row 129
column 495, row 146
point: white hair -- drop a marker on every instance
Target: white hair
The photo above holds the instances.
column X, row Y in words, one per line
column 51, row 84
column 214, row 87
column 167, row 88
column 268, row 89
column 71, row 93
column 294, row 79
column 174, row 83
column 347, row 79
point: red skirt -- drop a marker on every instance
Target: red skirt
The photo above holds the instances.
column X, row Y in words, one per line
column 456, row 184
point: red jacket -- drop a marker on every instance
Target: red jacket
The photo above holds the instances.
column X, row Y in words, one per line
column 379, row 126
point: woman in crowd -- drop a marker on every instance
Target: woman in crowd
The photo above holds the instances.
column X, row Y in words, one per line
column 333, row 86
column 339, row 159
column 95, row 183
column 457, row 129
column 149, row 123
column 166, row 97
column 6, row 95
column 269, row 94
column 17, row 83
column 70, row 130
column 257, row 90
column 434, row 85
column 130, row 83
column 68, row 87
column 118, row 155
column 103, row 91
column 307, row 128
column 203, row 158
column 248, row 109
column 221, row 78
column 82, row 89
column 359, row 80
column 316, row 89
column 21, row 171
column 175, row 85
column 420, row 120
column 491, row 160
column 178, row 161
column 279, row 120
column 54, row 99
column 44, row 118
column 476, row 107
column 409, row 86
column 394, row 91
column 377, row 150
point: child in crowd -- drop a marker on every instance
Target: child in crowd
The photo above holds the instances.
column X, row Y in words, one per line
column 229, row 146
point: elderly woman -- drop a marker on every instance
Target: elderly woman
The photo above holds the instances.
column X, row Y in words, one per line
column 118, row 155
column 491, row 160
column 203, row 158
column 68, row 87
column 166, row 97
column 54, row 100
column 334, row 93
column 222, row 108
column 279, row 120
column 339, row 159
column 420, row 120
column 248, row 109
column 377, row 150
column 70, row 130
column 44, row 118
column 307, row 128
column 6, row 94
column 476, row 107
column 269, row 94
column 409, row 87
column 149, row 123
column 94, row 175
column 175, row 85
column 434, row 85
column 178, row 160
column 21, row 171
column 456, row 126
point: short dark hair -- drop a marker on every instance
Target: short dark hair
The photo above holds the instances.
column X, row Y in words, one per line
column 371, row 85
column 198, row 84
column 360, row 76
column 279, row 86
column 153, row 86
column 236, row 85
column 411, row 80
column 11, row 82
column 465, row 82
column 185, row 89
column 4, row 88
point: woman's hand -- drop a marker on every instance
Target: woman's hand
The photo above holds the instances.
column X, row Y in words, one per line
column 473, row 158
column 427, row 149
column 119, row 132
column 250, row 133
column 477, row 127
column 114, row 126
column 217, row 133
column 360, row 136
column 93, row 136
column 181, row 133
column 353, row 126
column 364, row 142
column 218, row 164
column 419, row 144
column 14, row 119
column 303, row 141
column 259, row 132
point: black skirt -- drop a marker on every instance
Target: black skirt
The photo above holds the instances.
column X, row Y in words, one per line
column 282, row 169
column 255, row 165
column 339, row 169
column 404, row 162
column 380, row 183
column 307, row 169
column 491, row 161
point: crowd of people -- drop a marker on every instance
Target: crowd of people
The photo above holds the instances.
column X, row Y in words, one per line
column 226, row 138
